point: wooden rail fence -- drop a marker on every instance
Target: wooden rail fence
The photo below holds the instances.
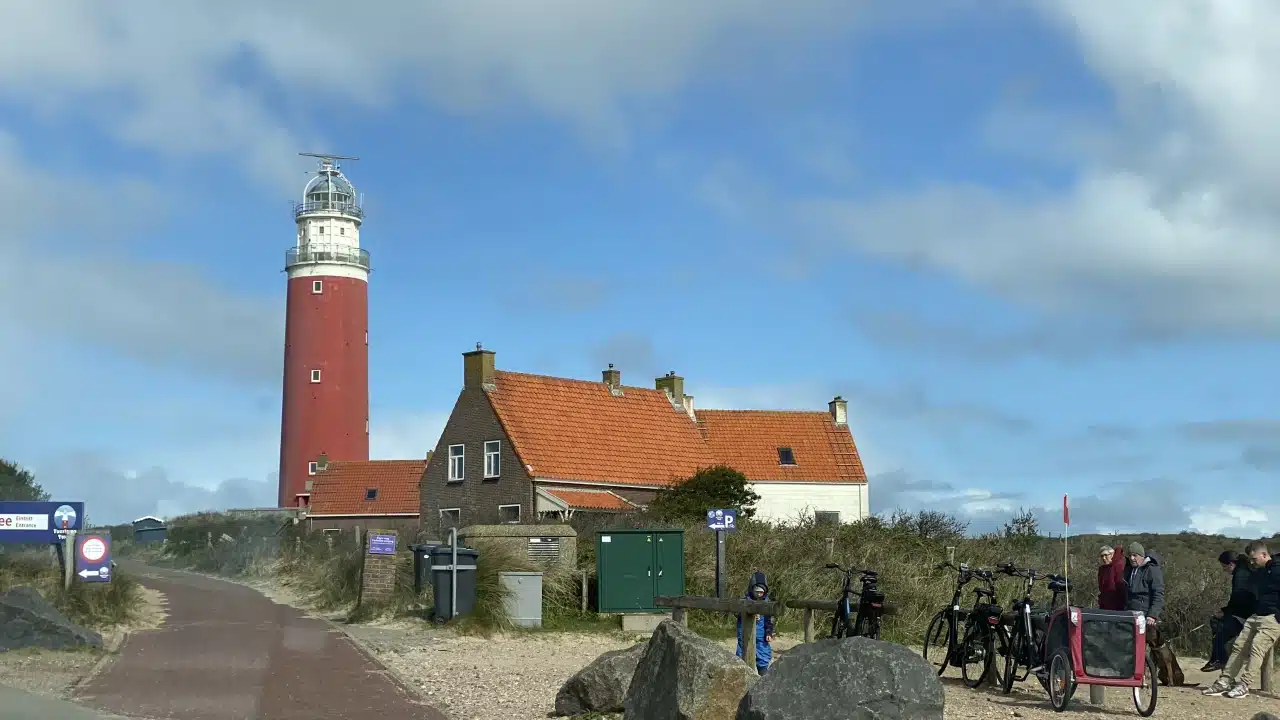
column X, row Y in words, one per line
column 749, row 611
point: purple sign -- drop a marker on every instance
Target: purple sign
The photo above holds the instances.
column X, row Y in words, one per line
column 382, row 544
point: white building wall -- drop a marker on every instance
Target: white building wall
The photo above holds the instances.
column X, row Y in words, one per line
column 789, row 501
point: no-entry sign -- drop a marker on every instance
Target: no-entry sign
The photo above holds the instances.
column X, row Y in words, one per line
column 93, row 549
column 93, row 558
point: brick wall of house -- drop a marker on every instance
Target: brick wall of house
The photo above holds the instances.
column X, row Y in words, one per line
column 471, row 423
column 406, row 527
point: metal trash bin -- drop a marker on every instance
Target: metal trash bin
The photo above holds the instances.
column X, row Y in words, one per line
column 442, row 580
column 421, row 566
column 523, row 598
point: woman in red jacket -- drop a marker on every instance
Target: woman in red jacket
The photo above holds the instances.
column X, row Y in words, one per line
column 1112, row 591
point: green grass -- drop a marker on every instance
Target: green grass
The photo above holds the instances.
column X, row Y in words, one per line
column 97, row 606
column 904, row 550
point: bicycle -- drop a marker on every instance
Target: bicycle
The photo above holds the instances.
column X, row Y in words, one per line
column 950, row 620
column 870, row 605
column 984, row 636
column 1028, row 626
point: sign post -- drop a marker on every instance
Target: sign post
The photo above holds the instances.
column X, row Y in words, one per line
column 93, row 558
column 722, row 521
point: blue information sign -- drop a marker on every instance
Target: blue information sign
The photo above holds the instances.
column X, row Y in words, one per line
column 722, row 519
column 382, row 544
column 93, row 558
column 38, row 522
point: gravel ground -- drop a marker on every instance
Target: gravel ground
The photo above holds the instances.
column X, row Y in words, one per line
column 516, row 677
column 53, row 673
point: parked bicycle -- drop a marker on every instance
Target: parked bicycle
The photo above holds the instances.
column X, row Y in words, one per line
column 984, row 637
column 1025, row 627
column 866, row 622
column 942, row 639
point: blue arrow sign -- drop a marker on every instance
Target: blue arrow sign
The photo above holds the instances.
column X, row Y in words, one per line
column 722, row 519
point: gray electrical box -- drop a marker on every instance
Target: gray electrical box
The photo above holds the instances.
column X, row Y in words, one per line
column 523, row 597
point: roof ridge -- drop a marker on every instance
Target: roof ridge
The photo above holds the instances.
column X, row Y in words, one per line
column 558, row 378
column 760, row 410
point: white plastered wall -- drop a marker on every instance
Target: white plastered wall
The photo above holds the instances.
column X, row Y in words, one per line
column 789, row 501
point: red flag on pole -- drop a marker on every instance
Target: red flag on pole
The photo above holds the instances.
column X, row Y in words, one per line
column 1066, row 513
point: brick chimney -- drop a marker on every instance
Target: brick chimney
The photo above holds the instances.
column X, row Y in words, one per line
column 477, row 368
column 839, row 408
column 612, row 378
column 673, row 385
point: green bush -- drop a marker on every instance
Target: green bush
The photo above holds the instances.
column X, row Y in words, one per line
column 94, row 605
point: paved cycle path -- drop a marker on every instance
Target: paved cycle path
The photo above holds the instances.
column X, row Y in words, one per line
column 226, row 652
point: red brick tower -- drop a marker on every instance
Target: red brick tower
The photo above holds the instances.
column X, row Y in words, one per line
column 325, row 413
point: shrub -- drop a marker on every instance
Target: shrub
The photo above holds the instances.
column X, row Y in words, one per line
column 93, row 605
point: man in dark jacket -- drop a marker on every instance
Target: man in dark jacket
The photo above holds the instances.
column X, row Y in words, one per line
column 1261, row 631
column 759, row 590
column 1145, row 592
column 1112, row 594
column 1227, row 622
column 1145, row 580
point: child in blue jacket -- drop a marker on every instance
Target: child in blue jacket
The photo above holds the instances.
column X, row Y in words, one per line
column 759, row 590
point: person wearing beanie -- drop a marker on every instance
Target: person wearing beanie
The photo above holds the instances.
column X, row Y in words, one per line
column 759, row 590
column 1112, row 593
column 1144, row 578
column 1227, row 622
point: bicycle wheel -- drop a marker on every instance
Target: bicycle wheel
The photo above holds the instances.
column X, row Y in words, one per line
column 937, row 642
column 1061, row 683
column 1144, row 696
column 975, row 661
column 1018, row 651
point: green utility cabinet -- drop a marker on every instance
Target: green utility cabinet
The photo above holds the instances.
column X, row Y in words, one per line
column 635, row 566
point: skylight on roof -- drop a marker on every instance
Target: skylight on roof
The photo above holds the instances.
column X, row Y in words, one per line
column 786, row 456
column 371, row 494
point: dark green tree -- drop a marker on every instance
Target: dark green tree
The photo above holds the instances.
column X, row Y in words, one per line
column 17, row 483
column 718, row 487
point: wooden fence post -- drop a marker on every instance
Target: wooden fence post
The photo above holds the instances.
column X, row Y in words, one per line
column 1097, row 695
column 808, row 625
column 749, row 640
column 831, row 548
column 680, row 616
column 1266, row 682
column 584, row 591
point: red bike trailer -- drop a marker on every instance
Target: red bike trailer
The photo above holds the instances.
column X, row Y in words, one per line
column 1084, row 646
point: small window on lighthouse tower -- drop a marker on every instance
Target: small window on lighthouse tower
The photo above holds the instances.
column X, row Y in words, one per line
column 315, row 376
column 317, row 287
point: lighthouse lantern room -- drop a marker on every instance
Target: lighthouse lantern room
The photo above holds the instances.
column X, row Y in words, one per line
column 325, row 408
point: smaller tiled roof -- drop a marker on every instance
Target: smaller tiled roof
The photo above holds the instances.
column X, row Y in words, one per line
column 341, row 489
column 748, row 441
column 583, row 431
column 590, row 499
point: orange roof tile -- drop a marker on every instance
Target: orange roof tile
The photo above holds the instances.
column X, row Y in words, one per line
column 341, row 488
column 590, row 499
column 579, row 430
column 748, row 441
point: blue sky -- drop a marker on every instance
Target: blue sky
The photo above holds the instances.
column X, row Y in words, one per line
column 1034, row 243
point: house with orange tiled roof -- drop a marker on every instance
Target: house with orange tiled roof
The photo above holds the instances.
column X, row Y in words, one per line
column 383, row 494
column 520, row 448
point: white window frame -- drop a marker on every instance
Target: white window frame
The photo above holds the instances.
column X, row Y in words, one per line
column 509, row 522
column 313, row 467
column 461, row 467
column 315, row 376
column 827, row 512
column 317, row 287
column 496, row 456
column 342, row 231
column 457, row 514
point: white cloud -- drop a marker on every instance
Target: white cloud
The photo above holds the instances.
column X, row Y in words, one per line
column 1236, row 520
column 405, row 435
column 169, row 77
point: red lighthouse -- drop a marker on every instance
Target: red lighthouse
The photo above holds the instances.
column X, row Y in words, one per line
column 325, row 413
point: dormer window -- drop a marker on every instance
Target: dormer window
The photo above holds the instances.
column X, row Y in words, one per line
column 371, row 494
column 786, row 456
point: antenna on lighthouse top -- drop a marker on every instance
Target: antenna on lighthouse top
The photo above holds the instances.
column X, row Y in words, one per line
column 329, row 156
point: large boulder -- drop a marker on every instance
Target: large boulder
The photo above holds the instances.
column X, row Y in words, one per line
column 602, row 685
column 28, row 620
column 682, row 676
column 854, row 678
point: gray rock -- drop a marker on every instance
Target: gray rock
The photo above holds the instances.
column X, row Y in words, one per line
column 28, row 620
column 854, row 679
column 686, row 677
column 1264, row 716
column 602, row 685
